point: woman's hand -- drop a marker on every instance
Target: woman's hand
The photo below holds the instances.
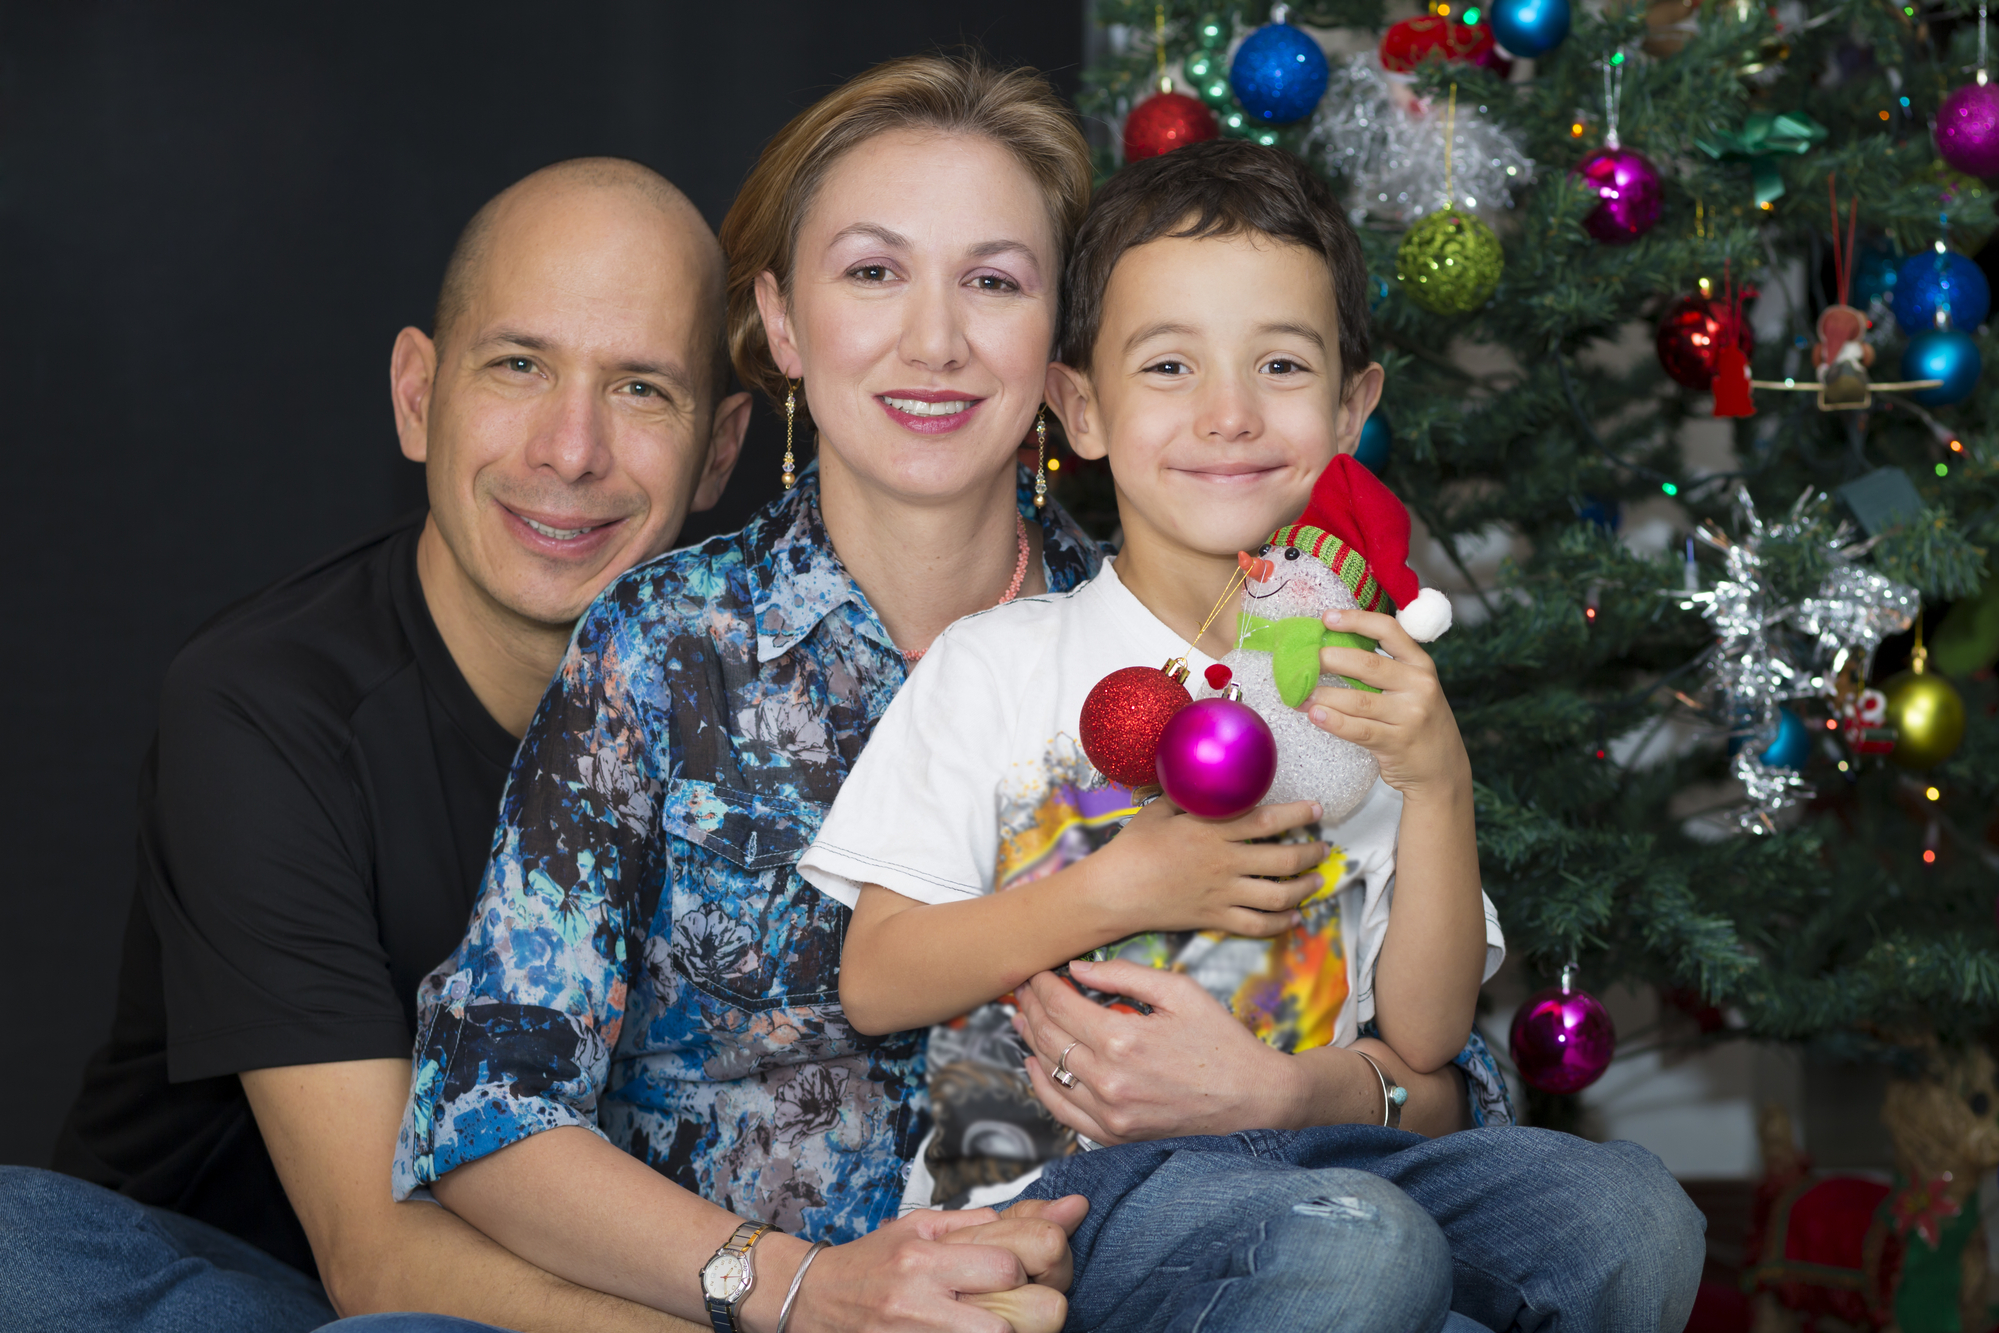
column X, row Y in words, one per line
column 1408, row 726
column 969, row 1272
column 1188, row 1067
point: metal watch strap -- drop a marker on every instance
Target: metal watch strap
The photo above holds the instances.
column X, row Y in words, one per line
column 1393, row 1094
column 722, row 1315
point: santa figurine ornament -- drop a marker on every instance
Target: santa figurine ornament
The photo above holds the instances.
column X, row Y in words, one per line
column 1349, row 550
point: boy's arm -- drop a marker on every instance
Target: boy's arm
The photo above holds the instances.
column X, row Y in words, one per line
column 1433, row 956
column 908, row 964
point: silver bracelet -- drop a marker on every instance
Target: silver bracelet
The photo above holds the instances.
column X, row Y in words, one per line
column 797, row 1281
column 1393, row 1095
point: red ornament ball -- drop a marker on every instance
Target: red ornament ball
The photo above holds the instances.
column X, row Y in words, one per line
column 1692, row 335
column 1404, row 45
column 1562, row 1039
column 1122, row 719
column 1166, row 121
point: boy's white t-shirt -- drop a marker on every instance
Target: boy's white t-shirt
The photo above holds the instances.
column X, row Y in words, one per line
column 974, row 781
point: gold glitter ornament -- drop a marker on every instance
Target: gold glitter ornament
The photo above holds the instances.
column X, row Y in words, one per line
column 1926, row 712
column 1449, row 263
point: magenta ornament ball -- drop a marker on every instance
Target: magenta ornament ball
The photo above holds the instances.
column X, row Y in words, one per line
column 1968, row 129
column 1628, row 193
column 1562, row 1040
column 1216, row 758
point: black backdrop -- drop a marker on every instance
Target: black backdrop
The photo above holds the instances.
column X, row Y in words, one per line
column 213, row 220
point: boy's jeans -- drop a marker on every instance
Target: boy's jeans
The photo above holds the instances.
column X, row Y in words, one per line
column 1355, row 1227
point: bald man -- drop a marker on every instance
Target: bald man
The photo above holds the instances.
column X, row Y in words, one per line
column 315, row 813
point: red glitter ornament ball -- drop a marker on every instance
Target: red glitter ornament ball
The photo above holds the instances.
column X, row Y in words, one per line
column 1405, row 44
column 1122, row 719
column 1166, row 121
column 1692, row 335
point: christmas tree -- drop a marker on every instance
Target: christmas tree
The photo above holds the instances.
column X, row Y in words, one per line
column 1683, row 777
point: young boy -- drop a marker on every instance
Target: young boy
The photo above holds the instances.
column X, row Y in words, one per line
column 1213, row 369
column 1215, row 350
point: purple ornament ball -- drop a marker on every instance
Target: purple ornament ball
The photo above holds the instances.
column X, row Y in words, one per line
column 1629, row 194
column 1216, row 758
column 1968, row 129
column 1562, row 1040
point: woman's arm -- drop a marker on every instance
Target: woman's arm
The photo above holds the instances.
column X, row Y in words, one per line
column 907, row 964
column 574, row 1205
column 1189, row 1067
column 1432, row 959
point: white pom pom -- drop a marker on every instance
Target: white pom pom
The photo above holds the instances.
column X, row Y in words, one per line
column 1426, row 617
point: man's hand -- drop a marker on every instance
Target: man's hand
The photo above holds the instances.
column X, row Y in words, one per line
column 1169, row 870
column 1408, row 726
column 922, row 1272
column 331, row 1130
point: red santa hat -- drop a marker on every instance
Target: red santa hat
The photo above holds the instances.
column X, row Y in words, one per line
column 1360, row 531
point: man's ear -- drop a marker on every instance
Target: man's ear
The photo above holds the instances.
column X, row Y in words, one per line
column 412, row 377
column 1075, row 402
column 1363, row 391
column 777, row 327
column 725, row 447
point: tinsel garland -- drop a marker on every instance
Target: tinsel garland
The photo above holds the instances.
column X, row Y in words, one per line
column 1388, row 145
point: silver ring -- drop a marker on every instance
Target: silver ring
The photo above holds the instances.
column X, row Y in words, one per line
column 1063, row 1074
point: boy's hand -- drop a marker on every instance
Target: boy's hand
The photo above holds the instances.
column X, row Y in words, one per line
column 1169, row 870
column 1408, row 726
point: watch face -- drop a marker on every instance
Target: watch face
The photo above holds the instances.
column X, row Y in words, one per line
column 723, row 1278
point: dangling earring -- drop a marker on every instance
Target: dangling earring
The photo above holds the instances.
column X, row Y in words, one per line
column 790, row 411
column 1041, row 458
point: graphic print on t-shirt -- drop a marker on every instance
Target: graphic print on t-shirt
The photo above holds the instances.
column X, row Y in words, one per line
column 1288, row 990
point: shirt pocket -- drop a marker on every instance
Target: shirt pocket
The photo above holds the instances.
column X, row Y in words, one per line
column 744, row 928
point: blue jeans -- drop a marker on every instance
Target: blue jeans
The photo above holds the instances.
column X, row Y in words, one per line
column 1355, row 1227
column 81, row 1259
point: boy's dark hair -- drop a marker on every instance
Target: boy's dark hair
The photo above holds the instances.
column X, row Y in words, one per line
column 1224, row 187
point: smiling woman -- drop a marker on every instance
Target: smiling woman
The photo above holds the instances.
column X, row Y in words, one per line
column 644, row 959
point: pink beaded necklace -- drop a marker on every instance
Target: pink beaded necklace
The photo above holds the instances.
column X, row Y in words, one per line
column 913, row 656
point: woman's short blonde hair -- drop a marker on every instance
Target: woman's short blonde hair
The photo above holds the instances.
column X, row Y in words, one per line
column 1014, row 108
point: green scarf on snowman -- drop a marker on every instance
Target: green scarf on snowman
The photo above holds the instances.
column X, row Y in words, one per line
column 1354, row 526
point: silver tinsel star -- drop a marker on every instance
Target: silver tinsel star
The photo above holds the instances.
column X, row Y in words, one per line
column 1845, row 621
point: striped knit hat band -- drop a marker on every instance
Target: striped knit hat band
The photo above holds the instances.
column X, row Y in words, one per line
column 1339, row 557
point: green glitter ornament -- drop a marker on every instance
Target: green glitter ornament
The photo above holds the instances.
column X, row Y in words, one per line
column 1449, row 263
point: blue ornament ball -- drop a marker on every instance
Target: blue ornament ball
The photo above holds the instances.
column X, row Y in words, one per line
column 1929, row 280
column 1942, row 354
column 1793, row 744
column 1279, row 74
column 1529, row 27
column 1377, row 437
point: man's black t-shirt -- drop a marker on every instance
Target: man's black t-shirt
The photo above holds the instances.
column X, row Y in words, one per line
column 314, row 817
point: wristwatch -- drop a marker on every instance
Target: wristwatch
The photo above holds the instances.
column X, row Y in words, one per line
column 728, row 1278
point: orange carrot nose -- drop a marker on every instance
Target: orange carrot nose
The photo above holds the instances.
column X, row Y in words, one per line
column 1255, row 568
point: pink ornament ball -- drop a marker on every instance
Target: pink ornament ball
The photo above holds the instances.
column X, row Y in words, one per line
column 1217, row 758
column 1628, row 192
column 1562, row 1040
column 1968, row 129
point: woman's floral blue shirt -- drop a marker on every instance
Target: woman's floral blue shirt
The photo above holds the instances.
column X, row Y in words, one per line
column 643, row 960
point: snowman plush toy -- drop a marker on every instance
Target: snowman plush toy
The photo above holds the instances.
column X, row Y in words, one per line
column 1349, row 550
